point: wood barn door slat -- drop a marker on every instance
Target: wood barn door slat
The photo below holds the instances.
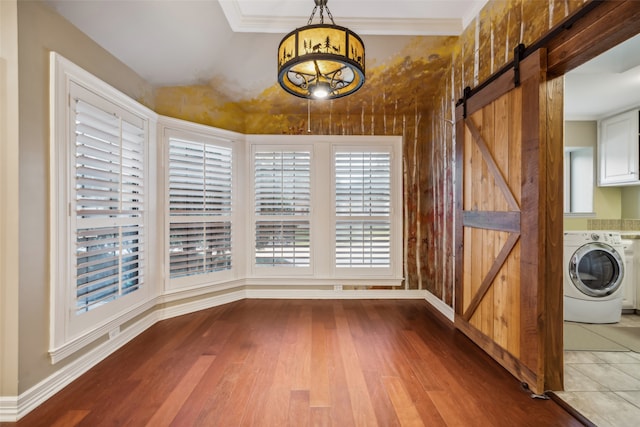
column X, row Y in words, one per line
column 499, row 276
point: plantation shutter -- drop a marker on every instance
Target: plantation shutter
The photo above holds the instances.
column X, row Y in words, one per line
column 109, row 204
column 282, row 200
column 363, row 209
column 200, row 196
column 199, row 179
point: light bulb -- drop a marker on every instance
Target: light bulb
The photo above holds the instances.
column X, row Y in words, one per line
column 320, row 91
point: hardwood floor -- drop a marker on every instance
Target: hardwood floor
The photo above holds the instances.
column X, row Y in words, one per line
column 299, row 363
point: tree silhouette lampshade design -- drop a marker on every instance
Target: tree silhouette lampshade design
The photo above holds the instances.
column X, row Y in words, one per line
column 321, row 61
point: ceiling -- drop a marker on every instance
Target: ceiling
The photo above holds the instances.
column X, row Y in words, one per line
column 186, row 42
column 607, row 84
column 189, row 42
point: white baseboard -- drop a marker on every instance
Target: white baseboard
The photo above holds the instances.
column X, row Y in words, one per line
column 13, row 408
column 8, row 408
column 176, row 294
column 78, row 344
column 440, row 305
column 334, row 294
column 202, row 304
column 46, row 388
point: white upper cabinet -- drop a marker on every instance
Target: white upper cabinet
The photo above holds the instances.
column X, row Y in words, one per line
column 618, row 155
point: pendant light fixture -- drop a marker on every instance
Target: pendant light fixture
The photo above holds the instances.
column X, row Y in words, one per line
column 321, row 61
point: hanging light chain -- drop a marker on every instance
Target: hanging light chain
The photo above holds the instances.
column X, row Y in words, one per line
column 328, row 14
column 323, row 5
column 312, row 15
column 308, row 115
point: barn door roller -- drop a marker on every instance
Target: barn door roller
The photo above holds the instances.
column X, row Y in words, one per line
column 518, row 55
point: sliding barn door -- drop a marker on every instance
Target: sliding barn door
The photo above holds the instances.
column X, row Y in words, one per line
column 508, row 156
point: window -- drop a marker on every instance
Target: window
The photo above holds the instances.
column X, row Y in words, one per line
column 200, row 206
column 362, row 209
column 108, row 173
column 99, row 204
column 578, row 180
column 328, row 209
column 282, row 200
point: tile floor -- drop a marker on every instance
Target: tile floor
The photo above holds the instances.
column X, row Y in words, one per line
column 604, row 386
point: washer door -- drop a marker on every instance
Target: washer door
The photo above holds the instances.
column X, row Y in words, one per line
column 596, row 269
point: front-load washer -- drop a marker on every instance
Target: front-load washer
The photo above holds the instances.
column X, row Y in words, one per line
column 593, row 275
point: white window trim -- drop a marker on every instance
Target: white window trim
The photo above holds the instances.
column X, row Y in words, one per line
column 395, row 215
column 175, row 128
column 68, row 331
column 323, row 269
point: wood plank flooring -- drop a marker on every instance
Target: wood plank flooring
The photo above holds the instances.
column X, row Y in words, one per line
column 299, row 363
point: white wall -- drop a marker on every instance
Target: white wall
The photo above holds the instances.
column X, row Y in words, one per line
column 41, row 30
column 8, row 198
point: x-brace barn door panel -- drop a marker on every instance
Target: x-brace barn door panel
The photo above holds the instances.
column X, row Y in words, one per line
column 499, row 224
column 491, row 217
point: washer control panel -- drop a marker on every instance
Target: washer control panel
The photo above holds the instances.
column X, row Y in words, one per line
column 612, row 238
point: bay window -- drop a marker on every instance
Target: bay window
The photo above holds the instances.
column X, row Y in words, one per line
column 137, row 216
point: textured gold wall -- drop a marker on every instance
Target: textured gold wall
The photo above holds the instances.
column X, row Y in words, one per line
column 397, row 99
column 484, row 47
column 401, row 86
column 411, row 94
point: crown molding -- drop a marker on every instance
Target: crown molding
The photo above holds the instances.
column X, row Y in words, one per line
column 239, row 22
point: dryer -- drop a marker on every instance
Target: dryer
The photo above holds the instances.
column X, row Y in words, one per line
column 593, row 276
